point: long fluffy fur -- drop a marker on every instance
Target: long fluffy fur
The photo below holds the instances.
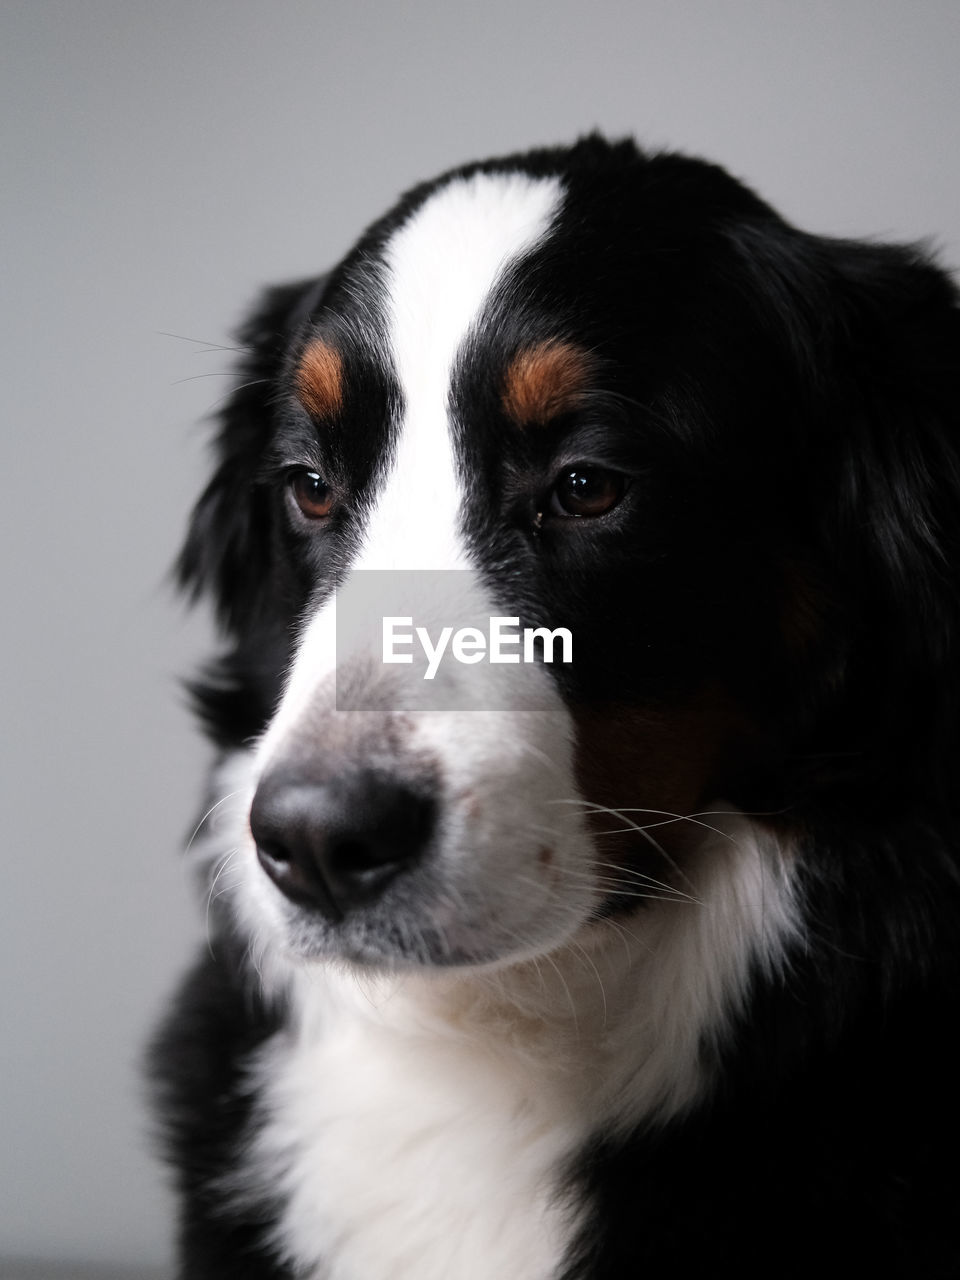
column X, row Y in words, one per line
column 671, row 985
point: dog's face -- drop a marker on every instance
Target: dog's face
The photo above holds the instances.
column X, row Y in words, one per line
column 580, row 389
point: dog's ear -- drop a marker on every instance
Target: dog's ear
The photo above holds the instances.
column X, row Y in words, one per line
column 226, row 553
column 884, row 478
column 863, row 346
column 894, row 418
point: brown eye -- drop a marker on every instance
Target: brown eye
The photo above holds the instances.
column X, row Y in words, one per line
column 311, row 494
column 586, row 491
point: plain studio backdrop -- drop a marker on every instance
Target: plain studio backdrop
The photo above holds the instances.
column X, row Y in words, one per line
column 161, row 161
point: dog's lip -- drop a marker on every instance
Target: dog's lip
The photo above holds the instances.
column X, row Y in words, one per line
column 404, row 933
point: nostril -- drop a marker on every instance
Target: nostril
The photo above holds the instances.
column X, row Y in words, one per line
column 347, row 855
column 279, row 824
column 269, row 819
column 273, row 850
column 382, row 830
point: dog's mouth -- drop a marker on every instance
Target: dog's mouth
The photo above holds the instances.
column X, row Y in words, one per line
column 376, row 873
column 375, row 867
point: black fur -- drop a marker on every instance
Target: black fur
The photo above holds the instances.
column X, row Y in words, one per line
column 206, row 1101
column 786, row 407
column 827, row 1148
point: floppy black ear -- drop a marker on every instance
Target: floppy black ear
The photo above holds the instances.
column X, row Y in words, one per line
column 226, row 553
column 897, row 431
column 888, row 474
column 861, row 343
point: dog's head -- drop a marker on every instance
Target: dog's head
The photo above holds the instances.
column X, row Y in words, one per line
column 600, row 391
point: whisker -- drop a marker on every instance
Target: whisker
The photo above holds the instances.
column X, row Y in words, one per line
column 229, row 796
column 222, row 865
column 199, row 342
column 629, row 879
column 195, row 377
column 665, row 815
column 243, row 386
column 581, row 951
column 625, row 934
column 640, row 830
column 660, row 884
column 563, row 982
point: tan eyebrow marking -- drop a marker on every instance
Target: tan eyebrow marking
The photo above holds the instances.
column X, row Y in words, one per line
column 544, row 381
column 320, row 379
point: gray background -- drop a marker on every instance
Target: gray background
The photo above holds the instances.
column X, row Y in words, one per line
column 161, row 161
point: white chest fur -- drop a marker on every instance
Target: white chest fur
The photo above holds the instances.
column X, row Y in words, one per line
column 417, row 1127
column 408, row 1148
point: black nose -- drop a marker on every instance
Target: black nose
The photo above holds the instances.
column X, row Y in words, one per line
column 335, row 845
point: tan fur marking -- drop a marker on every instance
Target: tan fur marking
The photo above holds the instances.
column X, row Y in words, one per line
column 320, row 379
column 545, row 381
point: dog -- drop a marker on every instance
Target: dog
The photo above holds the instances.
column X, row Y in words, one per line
column 639, row 958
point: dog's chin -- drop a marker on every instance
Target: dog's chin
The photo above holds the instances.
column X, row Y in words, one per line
column 425, row 937
column 371, row 949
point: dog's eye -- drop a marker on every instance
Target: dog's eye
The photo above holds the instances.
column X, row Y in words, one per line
column 311, row 494
column 586, row 491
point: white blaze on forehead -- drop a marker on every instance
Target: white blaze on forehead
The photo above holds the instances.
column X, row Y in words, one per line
column 442, row 265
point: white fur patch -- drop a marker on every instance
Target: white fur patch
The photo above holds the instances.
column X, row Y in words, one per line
column 442, row 265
